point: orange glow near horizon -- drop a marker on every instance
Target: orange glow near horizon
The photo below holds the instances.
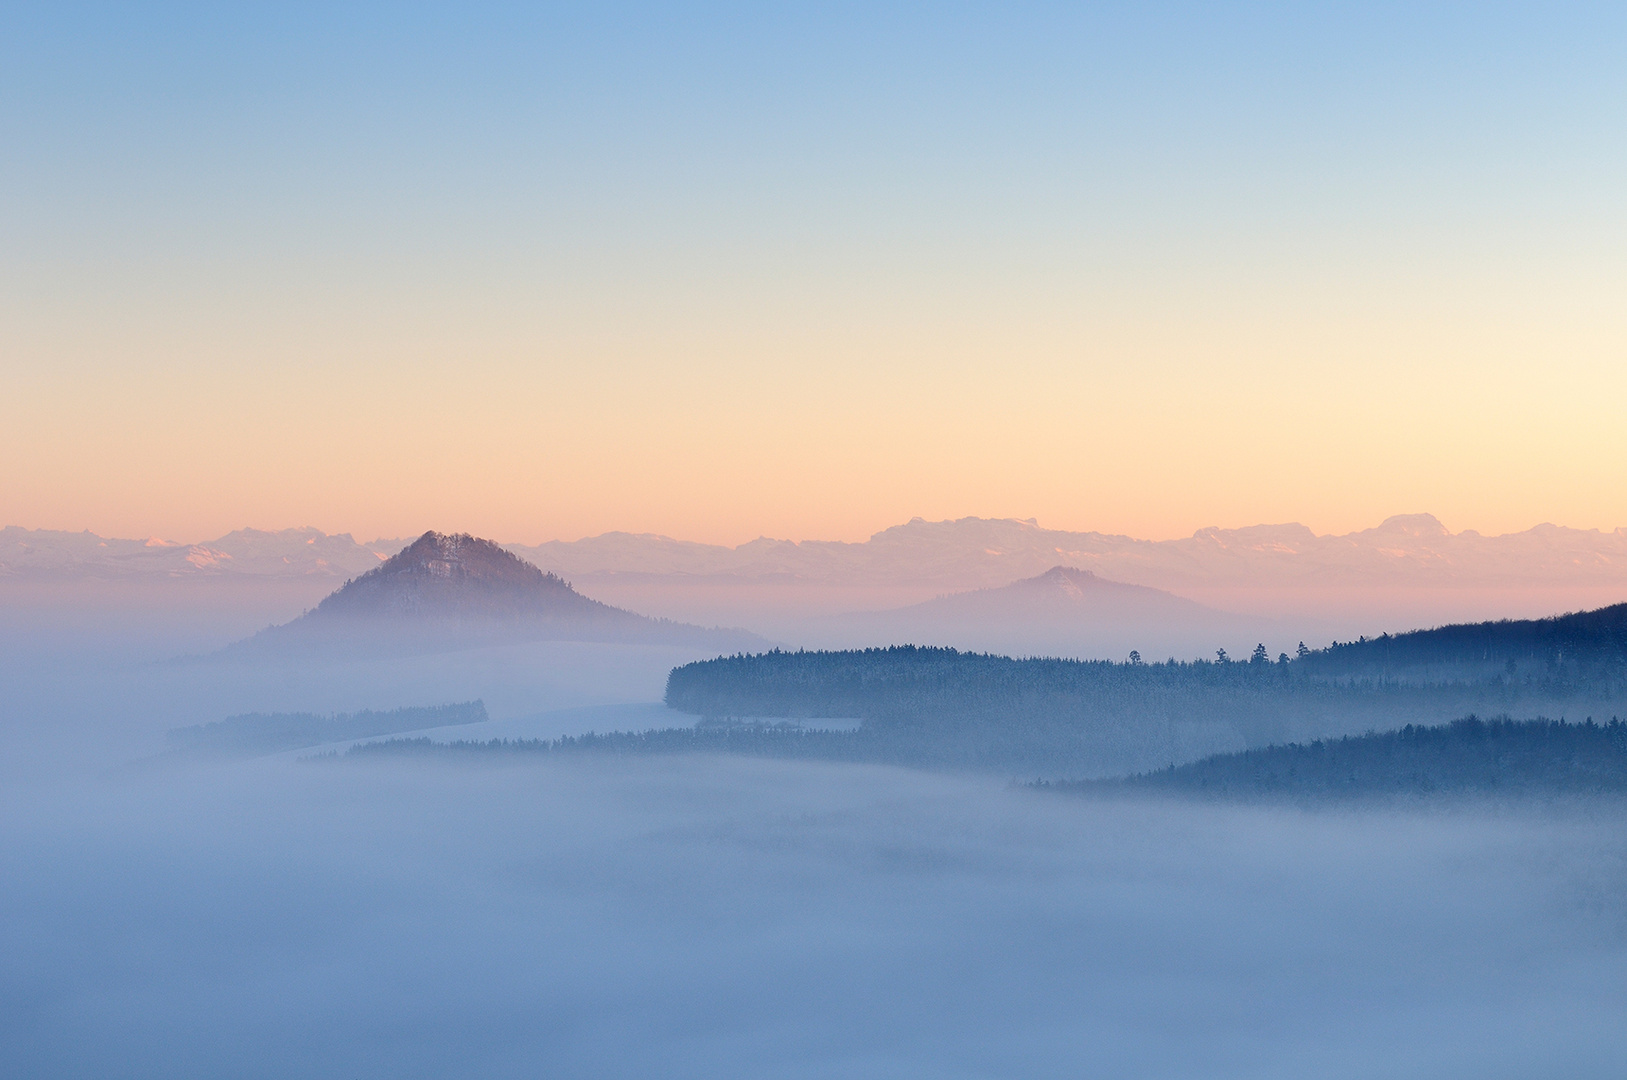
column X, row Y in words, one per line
column 540, row 300
column 1150, row 419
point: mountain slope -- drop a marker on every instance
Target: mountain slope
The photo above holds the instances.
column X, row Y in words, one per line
column 1064, row 611
column 456, row 590
column 1592, row 642
column 1469, row 756
column 1062, row 594
column 458, row 576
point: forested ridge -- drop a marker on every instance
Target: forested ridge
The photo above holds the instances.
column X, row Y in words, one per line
column 1584, row 645
column 941, row 708
column 760, row 740
column 1468, row 756
column 1581, row 655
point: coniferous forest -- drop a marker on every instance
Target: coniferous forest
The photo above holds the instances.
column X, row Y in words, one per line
column 1061, row 719
column 1498, row 757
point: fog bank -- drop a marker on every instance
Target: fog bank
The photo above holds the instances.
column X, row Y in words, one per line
column 730, row 917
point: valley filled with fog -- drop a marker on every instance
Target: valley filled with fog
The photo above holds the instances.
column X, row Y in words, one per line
column 172, row 915
column 813, row 542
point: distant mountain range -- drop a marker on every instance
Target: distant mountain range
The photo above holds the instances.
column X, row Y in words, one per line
column 971, row 553
column 456, row 590
column 1412, row 549
column 42, row 554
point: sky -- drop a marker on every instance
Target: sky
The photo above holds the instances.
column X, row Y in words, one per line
column 543, row 272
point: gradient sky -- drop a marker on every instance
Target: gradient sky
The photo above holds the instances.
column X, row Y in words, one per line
column 719, row 272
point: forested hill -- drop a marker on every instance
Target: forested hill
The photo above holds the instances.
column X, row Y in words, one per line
column 909, row 680
column 1046, row 716
column 1585, row 644
column 1470, row 756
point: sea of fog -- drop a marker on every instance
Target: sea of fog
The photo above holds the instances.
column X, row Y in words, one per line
column 729, row 917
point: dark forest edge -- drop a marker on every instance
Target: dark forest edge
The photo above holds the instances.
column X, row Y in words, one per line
column 759, row 740
column 270, row 733
column 1468, row 757
column 927, row 707
column 1498, row 758
column 1061, row 717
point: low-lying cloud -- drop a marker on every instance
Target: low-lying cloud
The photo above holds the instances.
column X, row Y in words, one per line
column 710, row 917
column 713, row 917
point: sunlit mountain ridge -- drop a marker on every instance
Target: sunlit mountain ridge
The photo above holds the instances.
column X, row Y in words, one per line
column 965, row 553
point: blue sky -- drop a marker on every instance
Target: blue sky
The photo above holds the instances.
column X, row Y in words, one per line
column 826, row 237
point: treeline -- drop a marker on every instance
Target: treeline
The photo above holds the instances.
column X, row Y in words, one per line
column 900, row 680
column 761, row 740
column 1469, row 756
column 1586, row 646
column 1500, row 757
column 270, row 733
column 943, row 707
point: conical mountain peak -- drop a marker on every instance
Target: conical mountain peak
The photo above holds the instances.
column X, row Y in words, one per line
column 454, row 590
column 456, row 575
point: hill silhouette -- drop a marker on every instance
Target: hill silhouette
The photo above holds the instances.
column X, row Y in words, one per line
column 457, row 576
column 935, row 705
column 453, row 590
column 1500, row 757
column 1583, row 644
column 1065, row 610
column 1062, row 593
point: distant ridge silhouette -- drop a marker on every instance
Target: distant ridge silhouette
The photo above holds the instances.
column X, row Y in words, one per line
column 1061, row 591
column 1063, row 610
column 1406, row 550
column 453, row 590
